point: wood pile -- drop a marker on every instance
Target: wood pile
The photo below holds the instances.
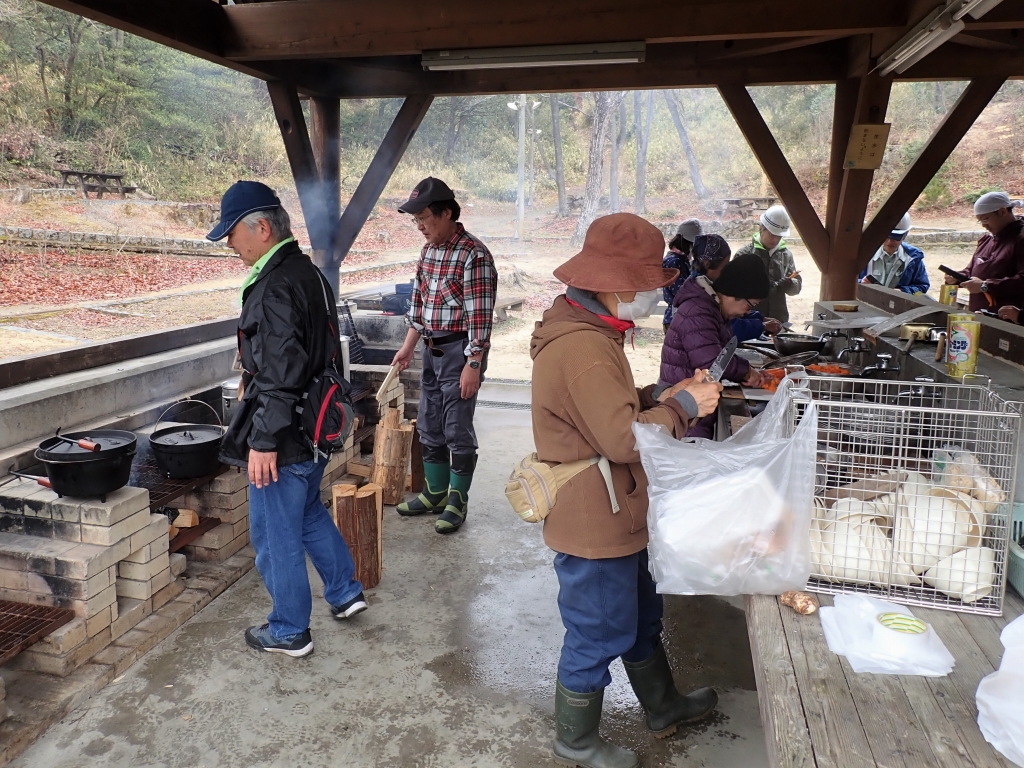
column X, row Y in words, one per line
column 359, row 515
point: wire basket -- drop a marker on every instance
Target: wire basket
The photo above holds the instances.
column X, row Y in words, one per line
column 913, row 491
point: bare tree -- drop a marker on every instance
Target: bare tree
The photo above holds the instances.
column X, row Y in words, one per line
column 604, row 104
column 619, row 132
column 684, row 138
column 460, row 110
column 643, row 141
column 556, row 138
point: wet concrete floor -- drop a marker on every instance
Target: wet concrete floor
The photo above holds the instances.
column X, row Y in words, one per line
column 453, row 665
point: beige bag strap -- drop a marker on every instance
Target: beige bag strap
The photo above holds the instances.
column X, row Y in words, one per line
column 565, row 472
column 606, row 472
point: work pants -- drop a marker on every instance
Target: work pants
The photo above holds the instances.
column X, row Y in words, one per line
column 445, row 420
column 287, row 520
column 610, row 608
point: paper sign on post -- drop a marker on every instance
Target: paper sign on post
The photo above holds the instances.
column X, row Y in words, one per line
column 867, row 146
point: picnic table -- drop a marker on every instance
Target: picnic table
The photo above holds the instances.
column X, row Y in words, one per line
column 94, row 181
column 742, row 207
column 818, row 712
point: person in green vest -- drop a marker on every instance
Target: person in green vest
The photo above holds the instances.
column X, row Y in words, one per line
column 769, row 246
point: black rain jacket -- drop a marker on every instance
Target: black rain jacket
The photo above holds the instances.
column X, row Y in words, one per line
column 286, row 336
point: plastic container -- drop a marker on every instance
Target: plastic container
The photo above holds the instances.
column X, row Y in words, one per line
column 1015, row 560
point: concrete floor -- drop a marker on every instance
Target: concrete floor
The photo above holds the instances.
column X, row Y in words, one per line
column 453, row 665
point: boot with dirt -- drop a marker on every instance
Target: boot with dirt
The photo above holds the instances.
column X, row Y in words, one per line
column 578, row 741
column 459, row 481
column 666, row 709
column 436, row 470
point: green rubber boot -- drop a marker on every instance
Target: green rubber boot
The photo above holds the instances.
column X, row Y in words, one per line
column 665, row 708
column 578, row 741
column 461, row 477
column 435, row 491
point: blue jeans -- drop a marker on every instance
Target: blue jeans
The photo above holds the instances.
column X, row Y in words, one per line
column 610, row 608
column 287, row 520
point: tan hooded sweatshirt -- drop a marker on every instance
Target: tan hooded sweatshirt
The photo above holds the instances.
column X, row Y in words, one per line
column 584, row 405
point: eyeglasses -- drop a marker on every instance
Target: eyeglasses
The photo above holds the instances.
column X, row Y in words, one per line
column 422, row 219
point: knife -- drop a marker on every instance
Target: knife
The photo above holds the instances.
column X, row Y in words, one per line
column 717, row 369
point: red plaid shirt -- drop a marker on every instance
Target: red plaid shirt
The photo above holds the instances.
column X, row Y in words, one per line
column 454, row 290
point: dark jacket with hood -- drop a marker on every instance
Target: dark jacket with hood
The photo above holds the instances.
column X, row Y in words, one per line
column 286, row 336
column 698, row 333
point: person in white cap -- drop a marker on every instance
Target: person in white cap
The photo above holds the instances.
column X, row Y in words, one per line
column 995, row 276
column 769, row 246
column 897, row 264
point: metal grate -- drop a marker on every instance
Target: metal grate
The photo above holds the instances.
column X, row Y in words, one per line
column 22, row 624
column 913, row 491
column 147, row 474
column 348, row 328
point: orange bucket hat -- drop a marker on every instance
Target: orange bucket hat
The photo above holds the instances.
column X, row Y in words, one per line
column 621, row 252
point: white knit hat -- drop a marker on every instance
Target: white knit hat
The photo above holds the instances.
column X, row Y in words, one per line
column 689, row 229
column 993, row 201
column 776, row 221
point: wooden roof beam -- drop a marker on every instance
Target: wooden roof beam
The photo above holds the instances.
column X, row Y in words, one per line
column 328, row 28
column 778, row 170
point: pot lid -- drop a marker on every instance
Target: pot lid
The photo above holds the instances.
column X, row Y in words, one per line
column 186, row 435
column 112, row 442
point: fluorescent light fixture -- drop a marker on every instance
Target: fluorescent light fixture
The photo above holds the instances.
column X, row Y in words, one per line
column 976, row 8
column 534, row 56
column 934, row 30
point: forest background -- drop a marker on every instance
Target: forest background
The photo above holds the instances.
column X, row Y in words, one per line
column 74, row 93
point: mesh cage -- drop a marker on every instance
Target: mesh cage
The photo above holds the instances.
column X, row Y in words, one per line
column 913, row 491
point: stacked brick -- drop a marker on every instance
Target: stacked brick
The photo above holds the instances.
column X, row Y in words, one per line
column 225, row 498
column 404, row 391
column 86, row 555
column 337, row 468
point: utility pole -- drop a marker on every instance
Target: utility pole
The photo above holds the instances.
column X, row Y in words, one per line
column 520, row 197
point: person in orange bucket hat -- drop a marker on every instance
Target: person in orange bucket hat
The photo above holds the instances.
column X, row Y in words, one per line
column 585, row 403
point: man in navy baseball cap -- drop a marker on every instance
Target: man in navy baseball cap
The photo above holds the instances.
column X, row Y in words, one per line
column 241, row 199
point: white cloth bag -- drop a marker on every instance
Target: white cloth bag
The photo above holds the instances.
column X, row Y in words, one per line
column 1001, row 697
column 732, row 517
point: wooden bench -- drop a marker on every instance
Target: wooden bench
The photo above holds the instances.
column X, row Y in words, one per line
column 741, row 207
column 502, row 306
column 818, row 712
column 94, row 181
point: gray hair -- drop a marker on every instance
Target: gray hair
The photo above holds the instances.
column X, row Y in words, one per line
column 276, row 218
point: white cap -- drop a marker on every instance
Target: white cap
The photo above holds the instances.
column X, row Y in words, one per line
column 903, row 227
column 776, row 220
column 993, row 201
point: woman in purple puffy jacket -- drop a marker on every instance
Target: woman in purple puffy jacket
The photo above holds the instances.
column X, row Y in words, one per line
column 701, row 327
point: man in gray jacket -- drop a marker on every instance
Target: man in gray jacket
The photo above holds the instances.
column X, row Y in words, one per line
column 769, row 246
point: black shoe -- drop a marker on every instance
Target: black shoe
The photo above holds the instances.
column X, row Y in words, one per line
column 665, row 708
column 261, row 639
column 577, row 738
column 353, row 607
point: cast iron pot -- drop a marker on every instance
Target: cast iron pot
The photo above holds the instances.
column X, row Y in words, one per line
column 187, row 451
column 80, row 473
column 795, row 343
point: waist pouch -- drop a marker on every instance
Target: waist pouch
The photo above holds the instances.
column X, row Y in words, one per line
column 533, row 484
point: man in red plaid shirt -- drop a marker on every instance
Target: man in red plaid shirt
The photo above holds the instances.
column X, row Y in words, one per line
column 452, row 309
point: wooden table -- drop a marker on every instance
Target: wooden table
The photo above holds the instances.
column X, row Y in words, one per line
column 742, row 207
column 100, row 182
column 817, row 712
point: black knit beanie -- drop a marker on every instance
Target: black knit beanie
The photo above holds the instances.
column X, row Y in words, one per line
column 744, row 278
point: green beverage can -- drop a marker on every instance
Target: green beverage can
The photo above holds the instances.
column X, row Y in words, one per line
column 962, row 332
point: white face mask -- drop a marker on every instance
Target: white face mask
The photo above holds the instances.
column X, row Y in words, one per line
column 641, row 306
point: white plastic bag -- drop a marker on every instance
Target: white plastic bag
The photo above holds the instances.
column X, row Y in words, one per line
column 1001, row 697
column 732, row 517
column 882, row 637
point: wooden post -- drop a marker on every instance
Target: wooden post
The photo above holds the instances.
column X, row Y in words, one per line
column 290, row 120
column 359, row 515
column 392, row 443
column 325, row 137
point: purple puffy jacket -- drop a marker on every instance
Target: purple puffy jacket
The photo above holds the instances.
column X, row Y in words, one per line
column 697, row 334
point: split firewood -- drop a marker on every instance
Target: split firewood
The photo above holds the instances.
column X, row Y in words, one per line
column 172, row 531
column 801, row 602
column 187, row 518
